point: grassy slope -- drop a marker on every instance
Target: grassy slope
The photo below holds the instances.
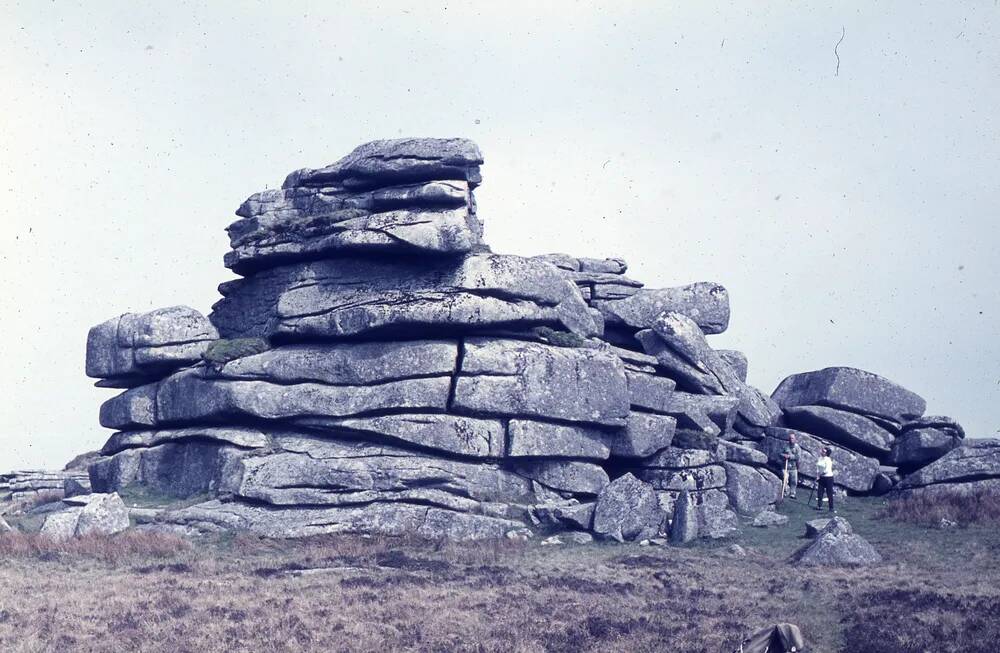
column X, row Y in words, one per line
column 234, row 594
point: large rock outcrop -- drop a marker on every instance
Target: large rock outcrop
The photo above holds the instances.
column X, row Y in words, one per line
column 377, row 369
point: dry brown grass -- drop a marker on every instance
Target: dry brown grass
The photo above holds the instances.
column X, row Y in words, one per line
column 114, row 549
column 979, row 507
column 27, row 503
column 347, row 593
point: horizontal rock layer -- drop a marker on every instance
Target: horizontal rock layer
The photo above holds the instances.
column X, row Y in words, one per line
column 359, row 296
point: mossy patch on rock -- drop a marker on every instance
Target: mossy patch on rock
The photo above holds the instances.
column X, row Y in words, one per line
column 223, row 351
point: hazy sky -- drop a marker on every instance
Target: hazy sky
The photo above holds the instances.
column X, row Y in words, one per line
column 852, row 216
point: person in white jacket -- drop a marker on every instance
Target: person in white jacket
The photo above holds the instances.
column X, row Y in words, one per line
column 824, row 477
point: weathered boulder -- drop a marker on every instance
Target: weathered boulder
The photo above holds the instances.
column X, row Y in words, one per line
column 740, row 453
column 848, row 429
column 684, row 523
column 939, row 422
column 566, row 514
column 627, row 509
column 680, row 346
column 424, row 218
column 396, row 161
column 74, row 487
column 531, row 438
column 851, row 470
column 850, row 389
column 238, row 436
column 837, row 546
column 306, row 470
column 132, row 349
column 750, row 489
column 644, row 434
column 737, row 360
column 976, row 460
column 814, row 526
column 693, row 478
column 917, row 447
column 513, row 377
column 102, row 514
column 769, row 519
column 198, row 395
column 716, row 522
column 566, row 476
column 392, row 519
column 705, row 303
column 648, row 391
column 707, row 414
column 177, row 469
column 5, row 527
column 406, row 297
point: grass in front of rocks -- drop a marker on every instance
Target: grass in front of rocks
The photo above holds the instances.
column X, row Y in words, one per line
column 353, row 593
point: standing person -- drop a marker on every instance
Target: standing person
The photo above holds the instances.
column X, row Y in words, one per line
column 791, row 454
column 824, row 473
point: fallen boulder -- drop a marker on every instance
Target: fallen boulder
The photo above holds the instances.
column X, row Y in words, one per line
column 627, row 509
column 103, row 514
column 850, row 389
column 836, row 545
column 974, row 461
column 705, row 303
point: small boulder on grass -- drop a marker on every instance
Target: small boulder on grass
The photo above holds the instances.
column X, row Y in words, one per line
column 837, row 546
column 87, row 514
column 5, row 527
column 769, row 518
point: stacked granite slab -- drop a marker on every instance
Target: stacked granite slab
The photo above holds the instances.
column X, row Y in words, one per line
column 377, row 369
column 875, row 429
column 29, row 484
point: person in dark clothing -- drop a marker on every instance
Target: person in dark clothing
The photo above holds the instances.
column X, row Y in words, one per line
column 824, row 478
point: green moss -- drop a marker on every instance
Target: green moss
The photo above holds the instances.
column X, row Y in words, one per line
column 223, row 351
column 559, row 338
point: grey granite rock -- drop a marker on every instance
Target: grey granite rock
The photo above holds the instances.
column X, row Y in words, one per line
column 850, row 389
column 179, row 469
column 853, row 431
column 104, row 514
column 939, row 422
column 306, row 470
column 917, row 447
column 644, row 434
column 243, row 437
column 750, row 489
column 405, row 297
column 769, row 519
column 627, row 509
column 975, row 460
column 680, row 346
column 705, row 303
column 512, row 377
column 741, row 453
column 134, row 348
column 395, row 161
column 531, row 438
column 392, row 519
column 454, row 434
column 708, row 414
column 737, row 360
column 684, row 521
column 574, row 477
column 694, row 478
column 285, row 225
column 836, row 545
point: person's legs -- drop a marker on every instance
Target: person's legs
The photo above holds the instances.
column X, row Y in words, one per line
column 826, row 485
column 829, row 491
column 793, row 481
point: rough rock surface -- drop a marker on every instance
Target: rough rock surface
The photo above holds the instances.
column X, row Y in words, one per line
column 852, row 390
column 976, row 460
column 627, row 509
column 847, row 429
column 837, row 546
column 377, row 369
column 133, row 348
column 769, row 519
column 917, row 447
column 104, row 514
column 705, row 303
column 353, row 296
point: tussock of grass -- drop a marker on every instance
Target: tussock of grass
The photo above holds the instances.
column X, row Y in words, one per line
column 39, row 498
column 979, row 507
column 559, row 338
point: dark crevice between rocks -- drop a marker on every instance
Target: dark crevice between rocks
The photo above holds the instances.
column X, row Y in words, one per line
column 459, row 362
column 271, row 380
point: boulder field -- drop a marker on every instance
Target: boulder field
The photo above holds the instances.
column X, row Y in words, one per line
column 376, row 368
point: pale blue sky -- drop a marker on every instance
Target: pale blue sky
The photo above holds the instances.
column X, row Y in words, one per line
column 851, row 216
